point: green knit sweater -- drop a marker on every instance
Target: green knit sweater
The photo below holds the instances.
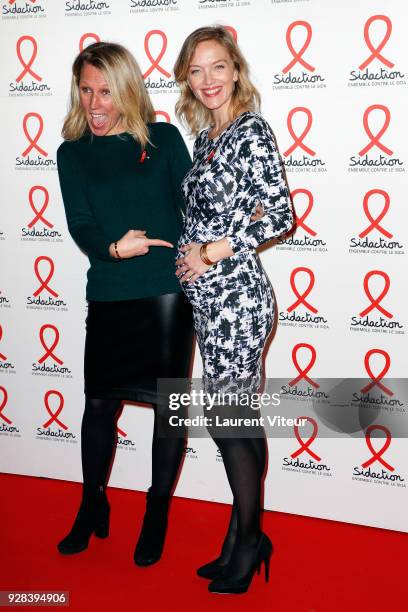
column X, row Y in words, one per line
column 108, row 190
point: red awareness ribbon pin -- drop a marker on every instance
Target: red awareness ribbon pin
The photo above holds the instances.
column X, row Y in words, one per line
column 303, row 373
column 54, row 415
column 304, row 446
column 297, row 55
column 377, row 455
column 163, row 114
column 375, row 223
column 375, row 301
column 376, row 380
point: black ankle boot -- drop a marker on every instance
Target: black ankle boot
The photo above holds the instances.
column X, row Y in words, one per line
column 150, row 544
column 92, row 517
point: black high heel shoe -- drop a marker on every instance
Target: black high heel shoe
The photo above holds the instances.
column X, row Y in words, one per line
column 149, row 547
column 92, row 518
column 228, row 583
column 212, row 570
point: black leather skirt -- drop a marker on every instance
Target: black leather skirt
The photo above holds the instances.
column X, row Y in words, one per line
column 130, row 344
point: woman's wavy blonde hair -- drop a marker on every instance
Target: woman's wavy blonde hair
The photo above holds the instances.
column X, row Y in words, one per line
column 245, row 97
column 127, row 87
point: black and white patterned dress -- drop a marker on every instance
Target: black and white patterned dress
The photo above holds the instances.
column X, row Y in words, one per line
column 233, row 301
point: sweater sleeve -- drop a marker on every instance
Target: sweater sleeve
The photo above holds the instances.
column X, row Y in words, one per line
column 81, row 223
column 180, row 164
column 259, row 157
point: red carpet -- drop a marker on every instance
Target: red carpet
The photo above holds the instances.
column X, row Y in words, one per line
column 318, row 566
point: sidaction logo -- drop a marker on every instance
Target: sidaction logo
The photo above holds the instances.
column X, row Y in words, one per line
column 292, row 390
column 375, row 237
column 19, row 9
column 142, row 6
column 54, row 428
column 383, row 396
column 309, row 239
column 82, row 8
column 376, row 155
column 28, row 82
column 313, row 464
column 298, row 72
column 383, row 472
column 6, row 366
column 7, row 428
column 156, row 70
column 384, row 321
column 305, row 158
column 49, row 363
column 377, row 69
column 45, row 297
column 123, row 441
column 308, row 315
column 32, row 122
column 4, row 301
column 190, row 452
column 40, row 227
column 209, row 4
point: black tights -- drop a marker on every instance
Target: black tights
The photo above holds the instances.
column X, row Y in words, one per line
column 98, row 437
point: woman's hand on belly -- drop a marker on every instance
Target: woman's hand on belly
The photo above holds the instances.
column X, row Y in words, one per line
column 190, row 266
column 135, row 243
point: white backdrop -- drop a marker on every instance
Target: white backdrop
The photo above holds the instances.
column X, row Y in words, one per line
column 334, row 88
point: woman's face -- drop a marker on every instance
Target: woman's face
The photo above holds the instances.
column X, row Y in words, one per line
column 96, row 101
column 212, row 75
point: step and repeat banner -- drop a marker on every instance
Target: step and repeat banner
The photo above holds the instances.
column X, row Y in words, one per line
column 333, row 78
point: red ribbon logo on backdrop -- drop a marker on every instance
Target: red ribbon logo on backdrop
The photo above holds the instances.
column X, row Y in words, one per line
column 27, row 65
column 54, row 415
column 375, row 380
column 84, row 37
column 163, row 114
column 233, row 32
column 300, row 220
column 375, row 51
column 33, row 140
column 377, row 455
column 49, row 349
column 302, row 296
column 375, row 223
column 44, row 282
column 3, row 405
column 2, row 357
column 297, row 55
column 39, row 213
column 375, row 301
column 298, row 140
column 304, row 446
column 303, row 373
column 375, row 138
column 155, row 62
column 121, row 432
column 13, row 1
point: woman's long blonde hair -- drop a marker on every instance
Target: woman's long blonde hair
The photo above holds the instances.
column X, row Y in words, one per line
column 127, row 87
column 245, row 97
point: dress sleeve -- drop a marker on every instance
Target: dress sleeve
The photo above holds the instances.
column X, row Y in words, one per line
column 264, row 174
column 81, row 222
column 180, row 164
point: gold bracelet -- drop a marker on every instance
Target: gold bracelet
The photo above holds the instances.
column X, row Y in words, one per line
column 204, row 257
column 115, row 244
